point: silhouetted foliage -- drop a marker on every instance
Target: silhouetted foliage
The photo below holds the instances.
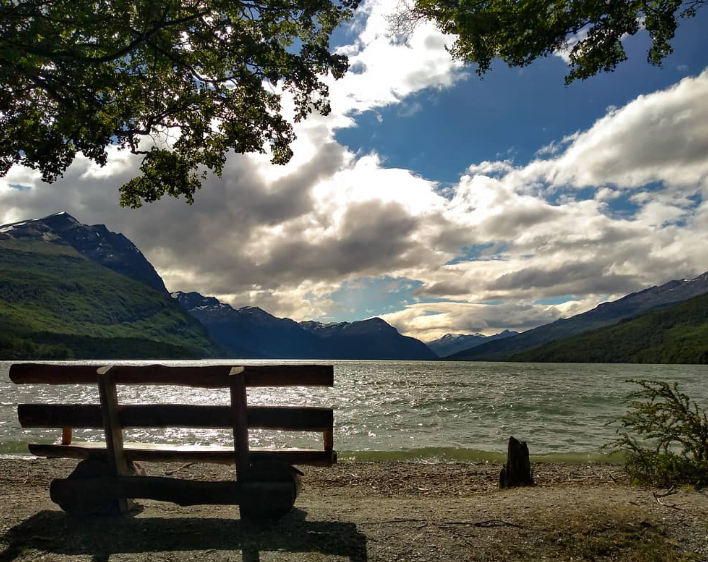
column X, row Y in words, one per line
column 180, row 82
column 520, row 32
column 663, row 436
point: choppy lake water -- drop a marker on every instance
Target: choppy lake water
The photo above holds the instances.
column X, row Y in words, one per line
column 411, row 410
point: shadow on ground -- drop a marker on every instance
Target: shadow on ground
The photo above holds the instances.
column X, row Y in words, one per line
column 100, row 537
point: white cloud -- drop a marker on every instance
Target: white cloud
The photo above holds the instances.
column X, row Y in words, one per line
column 572, row 40
column 660, row 137
column 429, row 321
column 285, row 238
column 607, row 194
column 389, row 71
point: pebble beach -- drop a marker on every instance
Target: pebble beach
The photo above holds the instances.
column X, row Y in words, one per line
column 371, row 511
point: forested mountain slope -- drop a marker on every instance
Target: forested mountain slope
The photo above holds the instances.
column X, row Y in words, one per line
column 678, row 334
column 606, row 314
column 57, row 304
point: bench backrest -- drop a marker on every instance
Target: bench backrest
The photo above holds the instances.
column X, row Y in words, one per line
column 113, row 417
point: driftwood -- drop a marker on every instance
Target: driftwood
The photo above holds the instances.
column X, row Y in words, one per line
column 517, row 471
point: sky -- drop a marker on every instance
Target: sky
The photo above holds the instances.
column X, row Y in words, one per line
column 435, row 200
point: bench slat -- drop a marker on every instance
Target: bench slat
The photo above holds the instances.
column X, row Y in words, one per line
column 182, row 492
column 168, row 453
column 210, row 376
column 286, row 418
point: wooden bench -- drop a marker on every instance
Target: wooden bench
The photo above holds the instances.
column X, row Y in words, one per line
column 266, row 484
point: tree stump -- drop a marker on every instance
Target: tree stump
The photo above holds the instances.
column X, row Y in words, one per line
column 517, row 471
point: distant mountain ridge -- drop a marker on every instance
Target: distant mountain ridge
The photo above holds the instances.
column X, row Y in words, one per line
column 673, row 334
column 250, row 332
column 367, row 339
column 97, row 243
column 450, row 344
column 605, row 314
column 70, row 290
column 253, row 332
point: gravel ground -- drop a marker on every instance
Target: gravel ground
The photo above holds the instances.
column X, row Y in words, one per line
column 372, row 512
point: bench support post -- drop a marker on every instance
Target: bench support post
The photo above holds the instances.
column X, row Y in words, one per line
column 117, row 462
column 239, row 403
column 328, row 440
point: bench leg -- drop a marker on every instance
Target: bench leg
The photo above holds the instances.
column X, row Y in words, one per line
column 263, row 498
column 65, row 495
column 117, row 462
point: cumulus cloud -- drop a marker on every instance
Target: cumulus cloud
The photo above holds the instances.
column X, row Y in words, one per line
column 430, row 321
column 387, row 71
column 659, row 137
column 286, row 238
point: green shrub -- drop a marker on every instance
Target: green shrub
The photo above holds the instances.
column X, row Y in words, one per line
column 663, row 436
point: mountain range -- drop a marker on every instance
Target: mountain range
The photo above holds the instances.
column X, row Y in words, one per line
column 70, row 290
column 450, row 344
column 252, row 332
column 605, row 314
column 674, row 334
column 97, row 243
column 74, row 291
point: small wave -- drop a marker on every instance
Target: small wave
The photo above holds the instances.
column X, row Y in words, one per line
column 13, row 448
column 423, row 455
column 448, row 454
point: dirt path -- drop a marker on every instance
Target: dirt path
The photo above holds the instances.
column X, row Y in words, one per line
column 372, row 512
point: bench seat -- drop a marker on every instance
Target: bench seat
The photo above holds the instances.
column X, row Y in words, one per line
column 148, row 452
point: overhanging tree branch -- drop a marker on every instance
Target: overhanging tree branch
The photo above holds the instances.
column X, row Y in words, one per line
column 74, row 80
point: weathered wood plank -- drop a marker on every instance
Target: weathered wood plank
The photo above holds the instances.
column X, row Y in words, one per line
column 117, row 462
column 33, row 373
column 286, row 418
column 239, row 407
column 182, row 492
column 328, row 440
column 289, row 375
column 78, row 416
column 264, row 499
column 148, row 452
column 210, row 376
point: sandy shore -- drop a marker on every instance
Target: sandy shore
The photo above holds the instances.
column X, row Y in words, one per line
column 372, row 512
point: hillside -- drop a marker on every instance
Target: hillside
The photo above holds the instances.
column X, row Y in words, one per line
column 606, row 314
column 58, row 304
column 678, row 334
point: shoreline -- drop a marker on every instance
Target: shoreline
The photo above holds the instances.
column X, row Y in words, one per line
column 371, row 511
column 436, row 455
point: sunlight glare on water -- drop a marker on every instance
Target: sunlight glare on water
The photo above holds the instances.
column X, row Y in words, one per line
column 401, row 409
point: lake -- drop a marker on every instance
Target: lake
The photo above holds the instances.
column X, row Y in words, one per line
column 423, row 411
